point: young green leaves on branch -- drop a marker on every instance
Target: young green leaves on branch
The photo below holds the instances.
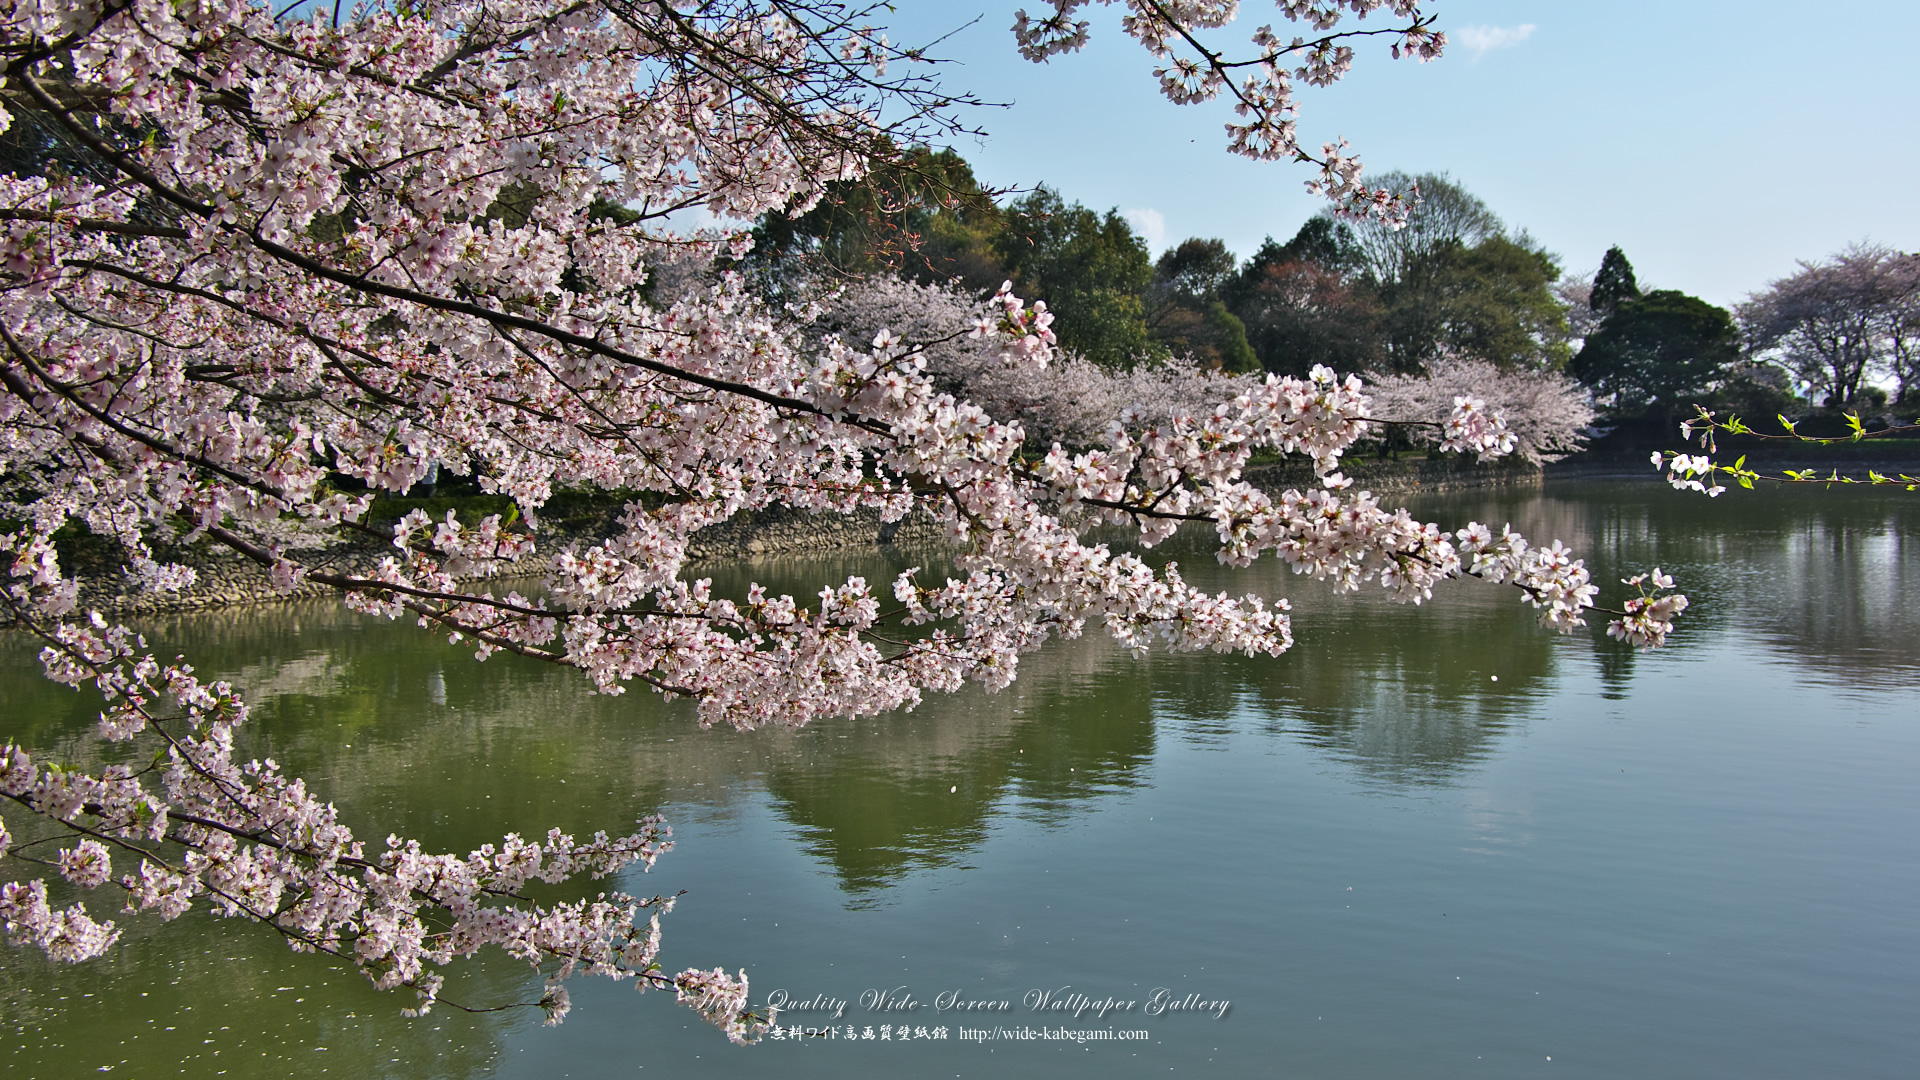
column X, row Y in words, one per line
column 1697, row 472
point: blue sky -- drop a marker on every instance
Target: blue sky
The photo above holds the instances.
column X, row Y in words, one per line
column 1715, row 142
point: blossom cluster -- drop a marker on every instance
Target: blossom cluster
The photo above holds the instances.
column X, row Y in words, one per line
column 1649, row 616
column 1688, row 472
column 257, row 844
column 1262, row 85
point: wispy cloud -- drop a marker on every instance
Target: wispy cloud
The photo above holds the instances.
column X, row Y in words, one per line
column 1151, row 225
column 1481, row 40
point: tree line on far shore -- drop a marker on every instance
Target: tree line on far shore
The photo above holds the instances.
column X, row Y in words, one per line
column 1455, row 284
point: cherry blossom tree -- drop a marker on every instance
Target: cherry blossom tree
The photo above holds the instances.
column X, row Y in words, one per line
column 1841, row 320
column 1071, row 400
column 1546, row 412
column 244, row 256
column 1834, row 323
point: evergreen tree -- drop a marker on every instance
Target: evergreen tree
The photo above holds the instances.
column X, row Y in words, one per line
column 1195, row 271
column 1324, row 242
column 1655, row 352
column 1493, row 300
column 1496, row 302
column 1614, row 284
column 1185, row 312
column 923, row 215
column 1090, row 268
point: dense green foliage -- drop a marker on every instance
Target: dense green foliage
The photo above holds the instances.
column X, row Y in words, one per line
column 1657, row 352
column 1089, row 268
column 1352, row 296
column 1363, row 296
column 1186, row 310
column 924, row 215
column 1493, row 300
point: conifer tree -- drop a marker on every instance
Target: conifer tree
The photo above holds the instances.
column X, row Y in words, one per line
column 1613, row 284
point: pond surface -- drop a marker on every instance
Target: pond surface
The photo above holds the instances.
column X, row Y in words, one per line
column 1429, row 842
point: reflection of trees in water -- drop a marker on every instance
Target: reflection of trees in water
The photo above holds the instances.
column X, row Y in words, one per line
column 384, row 717
column 876, row 800
column 1829, row 578
column 1615, row 667
column 1405, row 694
column 1848, row 601
column 396, row 726
column 168, row 993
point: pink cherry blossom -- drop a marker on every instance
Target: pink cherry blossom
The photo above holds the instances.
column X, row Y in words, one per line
column 1262, row 83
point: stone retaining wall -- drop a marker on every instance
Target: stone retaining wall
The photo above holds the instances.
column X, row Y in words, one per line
column 229, row 581
column 1451, row 473
column 226, row 580
column 781, row 531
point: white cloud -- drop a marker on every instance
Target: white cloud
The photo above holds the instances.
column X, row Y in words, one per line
column 1151, row 225
column 1481, row 40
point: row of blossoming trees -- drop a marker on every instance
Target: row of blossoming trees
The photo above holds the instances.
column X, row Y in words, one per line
column 244, row 254
column 1447, row 291
column 1073, row 401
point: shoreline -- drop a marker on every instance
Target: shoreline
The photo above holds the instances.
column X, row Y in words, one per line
column 227, row 581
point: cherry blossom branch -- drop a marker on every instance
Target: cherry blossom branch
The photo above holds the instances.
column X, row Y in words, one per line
column 1697, row 472
column 1265, row 98
column 296, row 249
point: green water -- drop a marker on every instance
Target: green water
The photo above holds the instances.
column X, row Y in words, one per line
column 1697, row 862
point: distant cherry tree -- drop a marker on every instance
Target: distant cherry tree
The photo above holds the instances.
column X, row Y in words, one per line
column 1837, row 322
column 1547, row 413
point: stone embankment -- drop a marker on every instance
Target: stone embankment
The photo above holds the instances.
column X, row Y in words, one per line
column 223, row 580
column 1403, row 477
column 227, row 581
column 797, row 532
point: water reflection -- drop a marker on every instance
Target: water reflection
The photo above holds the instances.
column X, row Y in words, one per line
column 404, row 730
column 1825, row 578
column 211, row 1001
column 877, row 798
column 1406, row 695
column 457, row 752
